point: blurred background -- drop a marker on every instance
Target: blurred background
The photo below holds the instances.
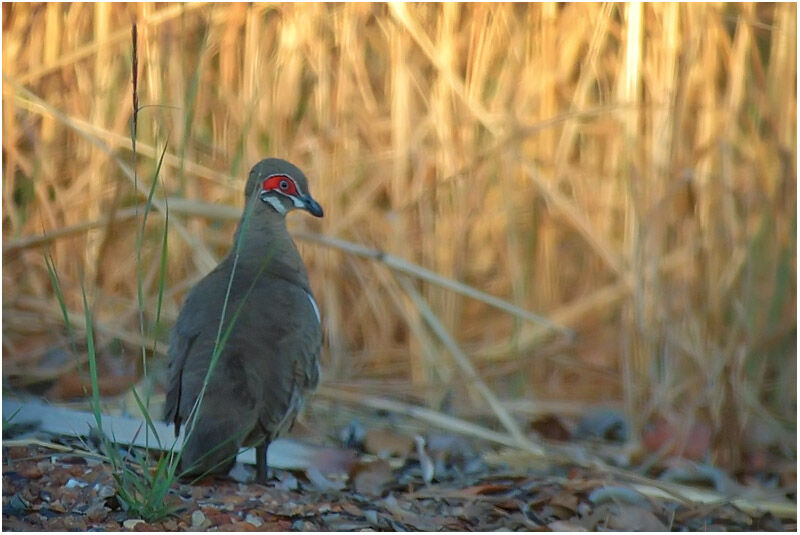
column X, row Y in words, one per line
column 625, row 171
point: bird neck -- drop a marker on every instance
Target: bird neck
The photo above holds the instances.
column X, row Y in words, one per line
column 262, row 242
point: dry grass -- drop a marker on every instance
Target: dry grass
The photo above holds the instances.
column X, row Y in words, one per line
column 626, row 171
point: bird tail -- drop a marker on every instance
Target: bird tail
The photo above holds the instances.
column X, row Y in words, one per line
column 210, row 450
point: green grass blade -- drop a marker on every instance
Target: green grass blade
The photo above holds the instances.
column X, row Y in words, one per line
column 147, row 418
column 54, row 280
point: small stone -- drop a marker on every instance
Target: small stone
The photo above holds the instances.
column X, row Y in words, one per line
column 241, row 473
column 16, row 506
column 106, row 491
column 372, row 517
column 253, row 519
column 97, row 513
column 303, row 525
column 74, row 483
column 198, row 519
column 131, row 523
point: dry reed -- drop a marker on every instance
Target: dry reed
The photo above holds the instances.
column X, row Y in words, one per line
column 628, row 171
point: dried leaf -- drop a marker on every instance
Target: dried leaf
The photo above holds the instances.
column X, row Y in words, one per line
column 634, row 518
column 321, row 482
column 371, row 478
column 565, row 525
column 386, row 443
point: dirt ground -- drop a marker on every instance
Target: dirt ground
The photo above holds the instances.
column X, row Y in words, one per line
column 50, row 489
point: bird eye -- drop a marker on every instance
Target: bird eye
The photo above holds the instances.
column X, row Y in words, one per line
column 284, row 185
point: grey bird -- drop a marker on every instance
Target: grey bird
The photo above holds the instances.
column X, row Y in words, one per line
column 266, row 353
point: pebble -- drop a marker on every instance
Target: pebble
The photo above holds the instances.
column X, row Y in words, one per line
column 106, row 491
column 372, row 517
column 131, row 523
column 16, row 506
column 303, row 525
column 241, row 473
column 253, row 519
column 97, row 513
column 198, row 519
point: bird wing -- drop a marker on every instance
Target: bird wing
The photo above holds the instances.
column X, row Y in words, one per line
column 288, row 344
column 198, row 317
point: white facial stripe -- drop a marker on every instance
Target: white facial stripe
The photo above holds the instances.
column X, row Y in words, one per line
column 295, row 201
column 314, row 304
column 275, row 203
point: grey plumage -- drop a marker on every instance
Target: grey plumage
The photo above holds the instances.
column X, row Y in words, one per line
column 270, row 360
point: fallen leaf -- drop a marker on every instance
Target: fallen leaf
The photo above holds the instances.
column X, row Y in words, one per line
column 371, row 478
column 386, row 443
column 633, row 518
column 568, row 500
column 321, row 482
column 565, row 525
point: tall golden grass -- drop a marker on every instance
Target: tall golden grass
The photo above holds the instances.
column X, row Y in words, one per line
column 628, row 171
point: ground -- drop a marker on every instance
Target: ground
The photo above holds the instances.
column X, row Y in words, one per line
column 47, row 488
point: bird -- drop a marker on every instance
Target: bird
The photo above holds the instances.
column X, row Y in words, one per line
column 266, row 352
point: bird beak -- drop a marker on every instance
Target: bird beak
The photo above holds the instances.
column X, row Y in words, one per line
column 312, row 206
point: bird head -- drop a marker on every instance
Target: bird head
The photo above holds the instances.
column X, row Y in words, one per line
column 281, row 186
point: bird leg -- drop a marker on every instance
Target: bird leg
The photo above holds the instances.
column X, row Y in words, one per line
column 261, row 463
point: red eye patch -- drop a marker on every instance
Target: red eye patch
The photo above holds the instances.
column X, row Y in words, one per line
column 280, row 183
